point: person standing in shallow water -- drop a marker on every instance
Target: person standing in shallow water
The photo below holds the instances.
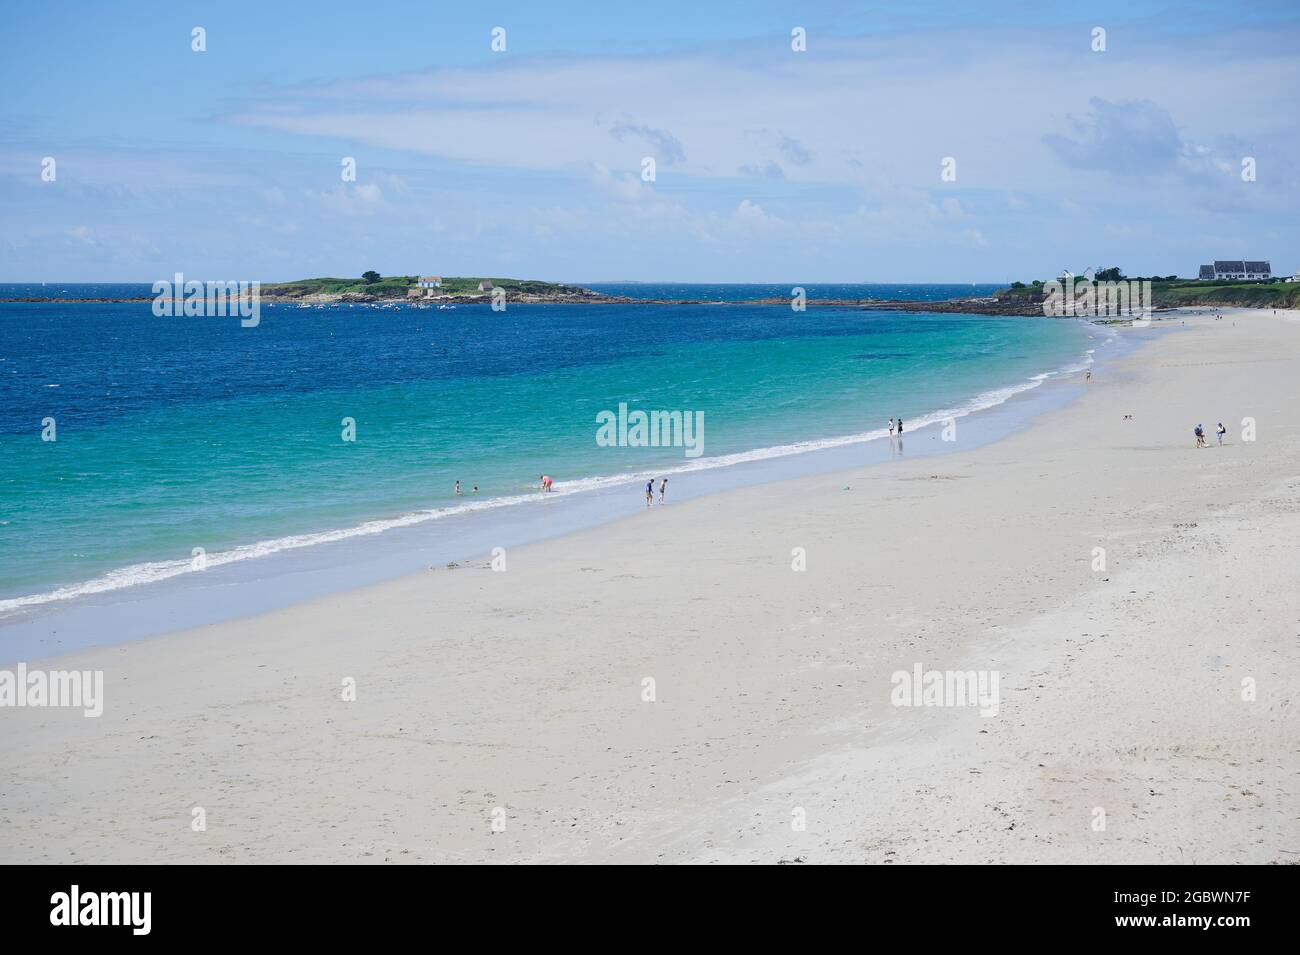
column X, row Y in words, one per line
column 650, row 493
column 663, row 489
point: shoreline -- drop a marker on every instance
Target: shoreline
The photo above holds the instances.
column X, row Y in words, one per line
column 523, row 691
column 28, row 621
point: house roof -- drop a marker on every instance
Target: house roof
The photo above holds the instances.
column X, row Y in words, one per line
column 430, row 278
column 1238, row 265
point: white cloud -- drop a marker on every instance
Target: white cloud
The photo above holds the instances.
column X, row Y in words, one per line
column 873, row 112
column 357, row 199
column 623, row 186
column 393, row 181
column 750, row 211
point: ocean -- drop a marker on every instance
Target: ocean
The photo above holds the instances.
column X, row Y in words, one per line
column 195, row 443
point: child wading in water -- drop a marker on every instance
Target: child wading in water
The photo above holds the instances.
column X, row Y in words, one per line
column 650, row 493
column 663, row 488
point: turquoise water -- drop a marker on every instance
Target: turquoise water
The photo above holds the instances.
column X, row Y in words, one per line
column 176, row 434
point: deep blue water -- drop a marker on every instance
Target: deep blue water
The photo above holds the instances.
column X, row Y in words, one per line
column 739, row 293
column 177, row 434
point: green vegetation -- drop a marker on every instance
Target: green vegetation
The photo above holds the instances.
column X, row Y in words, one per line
column 1170, row 291
column 464, row 286
column 373, row 285
column 395, row 285
column 1245, row 294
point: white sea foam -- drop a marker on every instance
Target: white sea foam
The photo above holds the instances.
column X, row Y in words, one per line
column 154, row 571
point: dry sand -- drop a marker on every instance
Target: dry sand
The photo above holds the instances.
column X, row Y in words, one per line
column 1121, row 690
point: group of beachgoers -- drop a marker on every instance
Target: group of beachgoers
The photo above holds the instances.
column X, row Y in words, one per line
column 650, row 491
column 895, row 430
column 547, row 485
column 1220, row 431
column 544, row 478
column 896, row 436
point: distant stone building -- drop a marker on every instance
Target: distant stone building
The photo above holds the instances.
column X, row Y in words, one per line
column 430, row 281
column 486, row 286
column 1237, row 269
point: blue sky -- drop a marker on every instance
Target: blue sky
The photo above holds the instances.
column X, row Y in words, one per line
column 771, row 164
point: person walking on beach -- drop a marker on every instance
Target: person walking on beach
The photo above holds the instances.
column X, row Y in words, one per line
column 546, row 481
column 891, row 428
column 1220, row 431
column 663, row 489
column 900, row 427
column 1200, row 436
column 650, row 493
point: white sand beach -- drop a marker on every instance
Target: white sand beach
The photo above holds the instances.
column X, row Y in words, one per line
column 1121, row 689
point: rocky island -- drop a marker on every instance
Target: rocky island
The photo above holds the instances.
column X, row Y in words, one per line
column 450, row 290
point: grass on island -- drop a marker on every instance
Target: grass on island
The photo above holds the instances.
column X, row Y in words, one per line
column 393, row 286
column 1246, row 294
column 1172, row 292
